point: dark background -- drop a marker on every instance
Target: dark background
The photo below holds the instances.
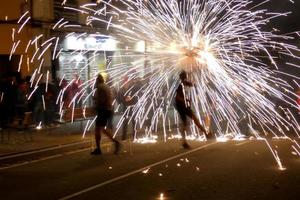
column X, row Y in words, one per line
column 285, row 24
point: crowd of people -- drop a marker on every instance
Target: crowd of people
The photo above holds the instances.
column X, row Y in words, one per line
column 13, row 102
column 19, row 97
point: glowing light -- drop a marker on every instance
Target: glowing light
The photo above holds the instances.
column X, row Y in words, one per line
column 275, row 155
column 194, row 137
column 146, row 171
column 140, row 46
column 74, row 43
column 146, row 139
column 39, row 126
column 161, row 196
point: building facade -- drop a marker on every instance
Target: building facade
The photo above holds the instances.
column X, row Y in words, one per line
column 55, row 29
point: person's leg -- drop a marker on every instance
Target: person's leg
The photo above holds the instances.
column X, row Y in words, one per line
column 207, row 122
column 35, row 114
column 47, row 116
column 97, row 140
column 183, row 128
column 97, row 136
column 124, row 128
column 125, row 122
column 191, row 114
column 133, row 129
column 108, row 131
column 39, row 113
column 20, row 115
column 183, row 132
column 110, row 122
column 51, row 110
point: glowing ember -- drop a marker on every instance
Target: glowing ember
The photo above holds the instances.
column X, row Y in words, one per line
column 146, row 171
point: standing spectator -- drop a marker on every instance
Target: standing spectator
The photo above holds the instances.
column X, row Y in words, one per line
column 38, row 100
column 50, row 103
column 22, row 103
column 4, row 104
column 10, row 98
column 104, row 109
column 30, row 105
column 114, row 96
column 66, row 92
column 74, row 89
column 127, row 98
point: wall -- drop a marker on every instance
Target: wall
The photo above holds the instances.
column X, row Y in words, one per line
column 9, row 15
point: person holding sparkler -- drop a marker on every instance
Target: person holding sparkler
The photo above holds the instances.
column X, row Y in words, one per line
column 183, row 107
column 103, row 104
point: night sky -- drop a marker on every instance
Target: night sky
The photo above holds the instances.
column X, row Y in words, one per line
column 289, row 23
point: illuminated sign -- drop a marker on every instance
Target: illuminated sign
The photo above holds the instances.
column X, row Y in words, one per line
column 94, row 43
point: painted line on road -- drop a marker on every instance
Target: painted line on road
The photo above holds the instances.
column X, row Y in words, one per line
column 43, row 150
column 239, row 144
column 29, row 162
column 48, row 158
column 133, row 172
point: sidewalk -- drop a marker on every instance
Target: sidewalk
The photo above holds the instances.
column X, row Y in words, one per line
column 14, row 141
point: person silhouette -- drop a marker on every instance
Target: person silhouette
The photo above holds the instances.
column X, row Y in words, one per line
column 127, row 97
column 104, row 109
column 183, row 107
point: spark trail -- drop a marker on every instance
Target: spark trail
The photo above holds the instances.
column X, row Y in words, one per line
column 230, row 52
column 230, row 57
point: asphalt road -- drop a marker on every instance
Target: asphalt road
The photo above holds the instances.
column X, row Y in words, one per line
column 210, row 170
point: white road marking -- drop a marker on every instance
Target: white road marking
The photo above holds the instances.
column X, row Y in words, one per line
column 239, row 144
column 133, row 172
column 43, row 150
column 30, row 162
column 48, row 158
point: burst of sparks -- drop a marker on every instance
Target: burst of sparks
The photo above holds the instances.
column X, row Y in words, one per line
column 224, row 45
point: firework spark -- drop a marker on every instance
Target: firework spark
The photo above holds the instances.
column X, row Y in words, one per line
column 230, row 52
column 230, row 58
